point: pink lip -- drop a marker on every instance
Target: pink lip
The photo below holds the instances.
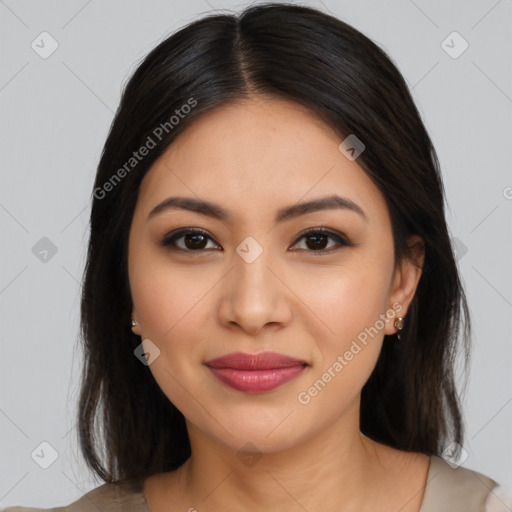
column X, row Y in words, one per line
column 256, row 373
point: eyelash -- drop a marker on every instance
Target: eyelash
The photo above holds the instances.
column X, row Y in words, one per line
column 170, row 239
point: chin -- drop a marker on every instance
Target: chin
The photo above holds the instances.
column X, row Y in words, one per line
column 255, row 442
column 268, row 432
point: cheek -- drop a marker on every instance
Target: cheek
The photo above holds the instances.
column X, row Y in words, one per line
column 349, row 298
column 168, row 298
column 168, row 302
column 349, row 303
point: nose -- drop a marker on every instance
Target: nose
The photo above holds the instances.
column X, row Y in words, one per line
column 255, row 296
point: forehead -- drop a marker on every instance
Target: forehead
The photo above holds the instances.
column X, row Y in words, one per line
column 255, row 156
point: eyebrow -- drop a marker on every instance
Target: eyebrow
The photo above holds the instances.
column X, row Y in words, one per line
column 216, row 211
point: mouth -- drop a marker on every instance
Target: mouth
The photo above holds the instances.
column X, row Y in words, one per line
column 256, row 373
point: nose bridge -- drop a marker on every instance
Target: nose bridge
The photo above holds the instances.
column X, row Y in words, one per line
column 251, row 275
column 254, row 295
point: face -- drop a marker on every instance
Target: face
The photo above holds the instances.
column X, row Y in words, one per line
column 316, row 284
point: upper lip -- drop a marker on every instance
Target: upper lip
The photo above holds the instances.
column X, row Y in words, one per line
column 261, row 361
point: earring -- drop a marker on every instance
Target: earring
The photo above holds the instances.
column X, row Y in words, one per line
column 134, row 323
column 399, row 324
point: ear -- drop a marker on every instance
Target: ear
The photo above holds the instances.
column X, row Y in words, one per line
column 405, row 280
column 135, row 328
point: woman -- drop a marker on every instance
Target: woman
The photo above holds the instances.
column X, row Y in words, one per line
column 268, row 217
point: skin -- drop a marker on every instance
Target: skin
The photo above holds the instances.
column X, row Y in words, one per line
column 254, row 157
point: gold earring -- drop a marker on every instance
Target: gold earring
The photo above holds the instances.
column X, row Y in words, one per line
column 399, row 325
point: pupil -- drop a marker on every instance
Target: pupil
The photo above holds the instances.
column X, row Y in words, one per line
column 195, row 244
column 316, row 237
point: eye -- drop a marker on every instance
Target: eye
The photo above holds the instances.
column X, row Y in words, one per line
column 196, row 240
column 193, row 240
column 319, row 237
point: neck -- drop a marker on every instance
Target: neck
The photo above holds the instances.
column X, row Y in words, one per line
column 334, row 470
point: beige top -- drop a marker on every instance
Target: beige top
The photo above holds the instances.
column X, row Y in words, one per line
column 447, row 490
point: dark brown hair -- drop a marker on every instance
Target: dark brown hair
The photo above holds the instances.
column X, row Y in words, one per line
column 128, row 428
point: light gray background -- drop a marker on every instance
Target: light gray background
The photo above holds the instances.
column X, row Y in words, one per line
column 54, row 120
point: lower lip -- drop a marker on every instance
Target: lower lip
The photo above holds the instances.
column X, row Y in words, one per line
column 256, row 381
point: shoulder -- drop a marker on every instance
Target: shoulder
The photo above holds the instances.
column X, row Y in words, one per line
column 104, row 497
column 450, row 489
column 499, row 499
